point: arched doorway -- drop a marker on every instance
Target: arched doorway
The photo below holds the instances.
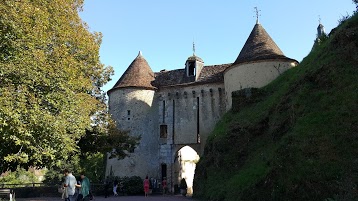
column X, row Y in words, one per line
column 186, row 163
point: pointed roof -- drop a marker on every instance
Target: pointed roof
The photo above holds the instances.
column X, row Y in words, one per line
column 138, row 74
column 195, row 58
column 259, row 46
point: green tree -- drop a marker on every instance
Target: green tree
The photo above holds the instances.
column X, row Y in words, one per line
column 50, row 83
column 110, row 140
column 20, row 176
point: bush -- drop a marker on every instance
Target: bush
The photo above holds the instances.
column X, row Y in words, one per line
column 91, row 164
column 20, row 176
column 133, row 185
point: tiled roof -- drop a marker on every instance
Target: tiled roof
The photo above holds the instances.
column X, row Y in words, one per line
column 214, row 73
column 259, row 46
column 167, row 78
column 209, row 74
column 138, row 74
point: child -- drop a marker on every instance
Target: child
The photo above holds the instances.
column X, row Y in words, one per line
column 115, row 184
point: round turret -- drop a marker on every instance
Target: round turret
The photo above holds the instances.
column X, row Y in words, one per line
column 138, row 75
column 259, row 62
column 130, row 102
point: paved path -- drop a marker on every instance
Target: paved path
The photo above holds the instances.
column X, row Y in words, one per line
column 119, row 198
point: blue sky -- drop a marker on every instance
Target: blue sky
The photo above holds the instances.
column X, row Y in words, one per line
column 164, row 30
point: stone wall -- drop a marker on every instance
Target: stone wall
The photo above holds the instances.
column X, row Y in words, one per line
column 190, row 112
column 185, row 110
column 252, row 75
column 132, row 108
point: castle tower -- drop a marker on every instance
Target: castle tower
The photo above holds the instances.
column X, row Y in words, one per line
column 320, row 30
column 130, row 102
column 193, row 66
column 259, row 62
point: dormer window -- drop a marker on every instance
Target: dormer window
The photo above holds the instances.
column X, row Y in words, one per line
column 191, row 68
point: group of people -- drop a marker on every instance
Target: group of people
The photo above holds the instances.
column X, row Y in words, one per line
column 146, row 186
column 71, row 185
column 80, row 190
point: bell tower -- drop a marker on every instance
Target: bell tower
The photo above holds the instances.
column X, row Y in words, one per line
column 320, row 29
column 193, row 66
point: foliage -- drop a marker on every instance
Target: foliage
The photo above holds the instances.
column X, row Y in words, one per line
column 51, row 106
column 343, row 19
column 183, row 184
column 20, row 176
column 323, row 38
column 54, row 175
column 93, row 165
column 50, row 81
column 297, row 139
column 133, row 185
column 95, row 146
column 115, row 142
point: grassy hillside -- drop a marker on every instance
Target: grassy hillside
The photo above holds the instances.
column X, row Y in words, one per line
column 297, row 138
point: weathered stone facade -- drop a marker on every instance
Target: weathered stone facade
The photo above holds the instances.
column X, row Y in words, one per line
column 133, row 112
column 253, row 75
column 178, row 108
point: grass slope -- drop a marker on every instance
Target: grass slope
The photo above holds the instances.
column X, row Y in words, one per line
column 297, row 139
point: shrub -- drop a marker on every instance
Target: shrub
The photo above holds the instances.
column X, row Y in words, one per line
column 133, row 185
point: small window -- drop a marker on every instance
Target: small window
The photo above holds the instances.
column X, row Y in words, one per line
column 163, row 131
column 191, row 69
column 128, row 112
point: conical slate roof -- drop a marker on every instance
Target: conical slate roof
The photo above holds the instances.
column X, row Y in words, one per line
column 259, row 46
column 138, row 74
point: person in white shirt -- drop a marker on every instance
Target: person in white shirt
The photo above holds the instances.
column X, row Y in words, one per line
column 70, row 183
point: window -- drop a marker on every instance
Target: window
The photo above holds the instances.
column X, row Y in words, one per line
column 191, row 68
column 163, row 131
column 197, row 121
column 128, row 114
column 163, row 112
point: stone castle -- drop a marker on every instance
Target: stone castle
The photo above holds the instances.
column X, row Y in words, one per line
column 172, row 109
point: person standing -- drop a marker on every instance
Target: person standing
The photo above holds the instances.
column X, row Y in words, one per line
column 78, row 190
column 70, row 182
column 146, row 186
column 85, row 188
column 115, row 185
column 164, row 185
column 106, row 186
